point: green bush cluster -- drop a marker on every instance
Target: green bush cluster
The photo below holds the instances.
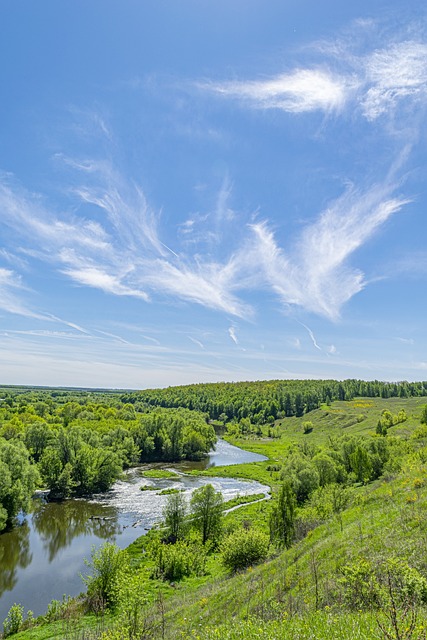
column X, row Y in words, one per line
column 243, row 548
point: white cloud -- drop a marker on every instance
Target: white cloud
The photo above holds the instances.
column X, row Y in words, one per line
column 95, row 277
column 394, row 74
column 199, row 344
column 315, row 275
column 299, row 91
column 410, row 341
column 209, row 284
column 123, row 254
column 375, row 82
column 312, row 336
column 10, row 301
column 232, row 334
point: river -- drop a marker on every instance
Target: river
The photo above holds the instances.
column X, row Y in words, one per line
column 43, row 556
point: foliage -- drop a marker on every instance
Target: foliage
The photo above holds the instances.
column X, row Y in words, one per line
column 131, row 600
column 361, row 502
column 277, row 398
column 206, row 510
column 158, row 473
column 14, row 620
column 307, row 426
column 107, row 564
column 282, row 518
column 174, row 514
column 176, row 561
column 18, row 480
column 243, row 548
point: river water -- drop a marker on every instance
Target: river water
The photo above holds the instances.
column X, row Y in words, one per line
column 43, row 556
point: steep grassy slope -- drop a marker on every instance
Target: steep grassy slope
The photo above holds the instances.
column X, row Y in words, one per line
column 305, row 587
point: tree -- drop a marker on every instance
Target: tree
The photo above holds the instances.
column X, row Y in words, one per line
column 361, row 464
column 326, row 468
column 37, row 438
column 206, row 509
column 174, row 513
column 423, row 418
column 282, row 517
column 18, row 479
column 55, row 475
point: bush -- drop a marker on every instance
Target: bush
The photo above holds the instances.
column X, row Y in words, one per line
column 107, row 564
column 307, row 426
column 14, row 620
column 179, row 560
column 243, row 548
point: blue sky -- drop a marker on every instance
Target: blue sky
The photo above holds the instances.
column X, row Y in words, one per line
column 204, row 191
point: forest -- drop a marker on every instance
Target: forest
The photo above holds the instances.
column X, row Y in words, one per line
column 338, row 550
column 78, row 444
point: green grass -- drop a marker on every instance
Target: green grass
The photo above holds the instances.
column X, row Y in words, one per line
column 158, row 473
column 320, row 625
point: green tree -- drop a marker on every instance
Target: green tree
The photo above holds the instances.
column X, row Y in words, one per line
column 206, row 509
column 37, row 438
column 174, row 513
column 18, row 480
column 14, row 620
column 326, row 468
column 361, row 464
column 282, row 516
column 56, row 476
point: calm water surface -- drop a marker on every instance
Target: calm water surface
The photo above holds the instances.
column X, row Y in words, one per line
column 43, row 557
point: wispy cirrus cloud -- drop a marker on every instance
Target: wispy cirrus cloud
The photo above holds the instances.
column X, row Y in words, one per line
column 10, row 300
column 375, row 82
column 122, row 255
column 299, row 91
column 315, row 275
column 209, row 284
column 95, row 277
column 232, row 334
column 125, row 259
column 394, row 74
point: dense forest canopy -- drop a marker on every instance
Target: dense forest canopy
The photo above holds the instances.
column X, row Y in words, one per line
column 266, row 400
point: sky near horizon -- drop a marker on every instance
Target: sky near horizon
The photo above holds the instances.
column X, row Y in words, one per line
column 199, row 191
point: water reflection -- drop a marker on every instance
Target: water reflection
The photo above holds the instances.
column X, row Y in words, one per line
column 14, row 554
column 59, row 523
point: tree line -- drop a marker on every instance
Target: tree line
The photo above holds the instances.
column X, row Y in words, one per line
column 265, row 401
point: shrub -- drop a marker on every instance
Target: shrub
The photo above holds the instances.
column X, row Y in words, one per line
column 107, row 564
column 360, row 585
column 243, row 548
column 176, row 561
column 307, row 426
column 14, row 620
